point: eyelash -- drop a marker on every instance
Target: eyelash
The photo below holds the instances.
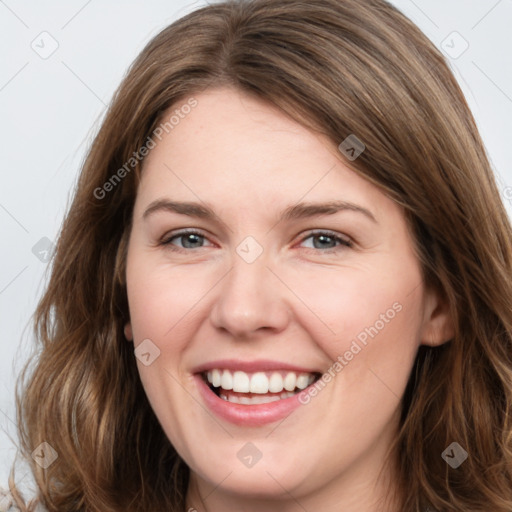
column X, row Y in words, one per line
column 346, row 243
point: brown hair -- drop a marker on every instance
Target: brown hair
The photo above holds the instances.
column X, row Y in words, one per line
column 339, row 67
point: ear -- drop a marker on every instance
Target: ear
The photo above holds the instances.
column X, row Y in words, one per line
column 438, row 327
column 128, row 334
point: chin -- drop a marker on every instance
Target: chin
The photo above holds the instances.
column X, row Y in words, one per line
column 265, row 479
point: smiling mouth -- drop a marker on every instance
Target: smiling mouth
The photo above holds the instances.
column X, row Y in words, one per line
column 259, row 387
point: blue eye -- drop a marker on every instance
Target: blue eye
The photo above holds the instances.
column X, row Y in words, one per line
column 192, row 239
column 326, row 240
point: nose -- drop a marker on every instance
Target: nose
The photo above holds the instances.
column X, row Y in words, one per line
column 250, row 299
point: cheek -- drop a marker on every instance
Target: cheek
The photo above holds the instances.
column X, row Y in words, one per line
column 164, row 299
column 377, row 306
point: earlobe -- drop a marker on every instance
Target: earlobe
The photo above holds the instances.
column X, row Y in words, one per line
column 438, row 327
column 128, row 334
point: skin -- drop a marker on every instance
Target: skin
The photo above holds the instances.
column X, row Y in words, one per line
column 302, row 301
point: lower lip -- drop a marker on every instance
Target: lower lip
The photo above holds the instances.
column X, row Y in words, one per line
column 247, row 415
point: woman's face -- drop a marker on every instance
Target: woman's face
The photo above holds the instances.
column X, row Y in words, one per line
column 296, row 267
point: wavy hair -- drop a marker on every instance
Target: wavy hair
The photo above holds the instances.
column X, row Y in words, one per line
column 338, row 67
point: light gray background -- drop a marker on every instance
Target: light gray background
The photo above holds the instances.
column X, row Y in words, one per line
column 50, row 108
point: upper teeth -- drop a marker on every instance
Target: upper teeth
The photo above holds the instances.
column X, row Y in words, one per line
column 259, row 382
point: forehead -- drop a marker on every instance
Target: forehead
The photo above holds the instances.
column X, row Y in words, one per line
column 233, row 148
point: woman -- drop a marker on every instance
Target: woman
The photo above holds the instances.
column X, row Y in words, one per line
column 260, row 370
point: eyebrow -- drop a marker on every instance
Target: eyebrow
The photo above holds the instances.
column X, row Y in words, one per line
column 293, row 212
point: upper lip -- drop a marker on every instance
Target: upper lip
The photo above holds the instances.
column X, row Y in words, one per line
column 259, row 365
